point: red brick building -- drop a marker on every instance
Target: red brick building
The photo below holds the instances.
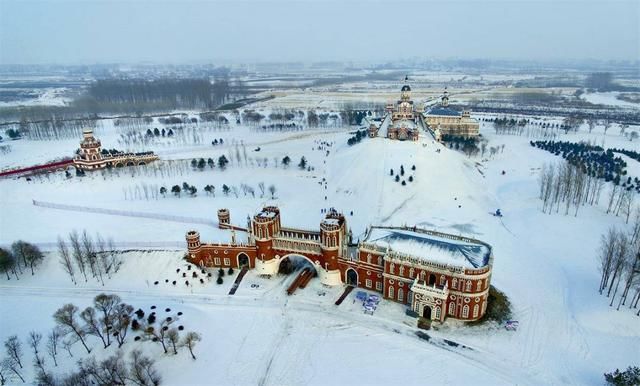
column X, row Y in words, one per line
column 437, row 275
column 91, row 156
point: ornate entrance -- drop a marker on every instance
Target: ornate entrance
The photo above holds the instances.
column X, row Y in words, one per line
column 243, row 260
column 426, row 312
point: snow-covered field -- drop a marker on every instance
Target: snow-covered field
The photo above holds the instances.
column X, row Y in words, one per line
column 546, row 264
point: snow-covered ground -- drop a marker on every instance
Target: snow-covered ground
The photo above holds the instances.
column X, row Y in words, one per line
column 608, row 98
column 545, row 263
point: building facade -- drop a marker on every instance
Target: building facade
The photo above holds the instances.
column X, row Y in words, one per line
column 90, row 156
column 447, row 277
column 442, row 119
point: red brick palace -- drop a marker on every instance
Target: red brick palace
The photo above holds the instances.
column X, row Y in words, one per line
column 437, row 275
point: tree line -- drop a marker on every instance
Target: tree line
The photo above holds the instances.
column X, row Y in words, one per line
column 109, row 320
column 83, row 257
column 170, row 92
column 569, row 186
column 592, row 160
column 22, row 256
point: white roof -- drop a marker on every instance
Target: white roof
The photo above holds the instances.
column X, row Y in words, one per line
column 431, row 248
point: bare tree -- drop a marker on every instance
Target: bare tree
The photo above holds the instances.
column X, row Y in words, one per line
column 65, row 259
column 261, row 187
column 110, row 371
column 66, row 318
column 608, row 245
column 93, row 326
column 116, row 261
column 13, row 347
column 67, row 344
column 142, row 371
column 77, row 254
column 11, row 366
column 174, row 339
column 53, row 340
column 190, row 340
column 34, row 341
column 121, row 321
column 272, row 191
column 620, row 259
column 106, row 305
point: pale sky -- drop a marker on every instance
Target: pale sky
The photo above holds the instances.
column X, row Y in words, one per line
column 126, row 31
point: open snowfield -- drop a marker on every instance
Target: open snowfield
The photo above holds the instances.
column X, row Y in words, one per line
column 545, row 263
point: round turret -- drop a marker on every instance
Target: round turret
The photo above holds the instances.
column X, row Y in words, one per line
column 224, row 218
column 193, row 242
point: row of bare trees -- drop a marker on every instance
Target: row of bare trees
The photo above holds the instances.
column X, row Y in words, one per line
column 566, row 185
column 84, row 256
column 114, row 370
column 563, row 184
column 619, row 265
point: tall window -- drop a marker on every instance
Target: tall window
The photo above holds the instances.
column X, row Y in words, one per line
column 390, row 292
column 468, row 285
column 402, row 270
column 438, row 312
column 412, row 272
column 465, row 311
column 379, row 260
column 400, row 295
column 452, row 308
column 368, row 283
column 454, row 284
column 369, row 259
column 379, row 286
column 392, row 268
column 442, row 278
column 476, row 309
column 479, row 286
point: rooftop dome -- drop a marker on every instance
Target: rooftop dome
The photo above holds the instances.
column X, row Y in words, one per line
column 406, row 88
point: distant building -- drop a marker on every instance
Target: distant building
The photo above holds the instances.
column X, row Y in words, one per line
column 402, row 121
column 437, row 275
column 442, row 119
column 91, row 155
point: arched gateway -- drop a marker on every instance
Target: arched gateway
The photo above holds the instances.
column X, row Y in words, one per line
column 427, row 287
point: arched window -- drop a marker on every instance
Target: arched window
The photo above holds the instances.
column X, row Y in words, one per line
column 438, row 312
column 422, row 275
column 476, row 309
column 379, row 260
column 392, row 268
column 442, row 279
column 369, row 259
column 412, row 272
column 390, row 292
column 479, row 286
column 402, row 270
column 452, row 308
column 465, row 311
column 259, row 232
column 335, row 243
column 454, row 284
column 400, row 295
column 468, row 285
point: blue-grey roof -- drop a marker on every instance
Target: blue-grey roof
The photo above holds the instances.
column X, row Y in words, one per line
column 443, row 111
